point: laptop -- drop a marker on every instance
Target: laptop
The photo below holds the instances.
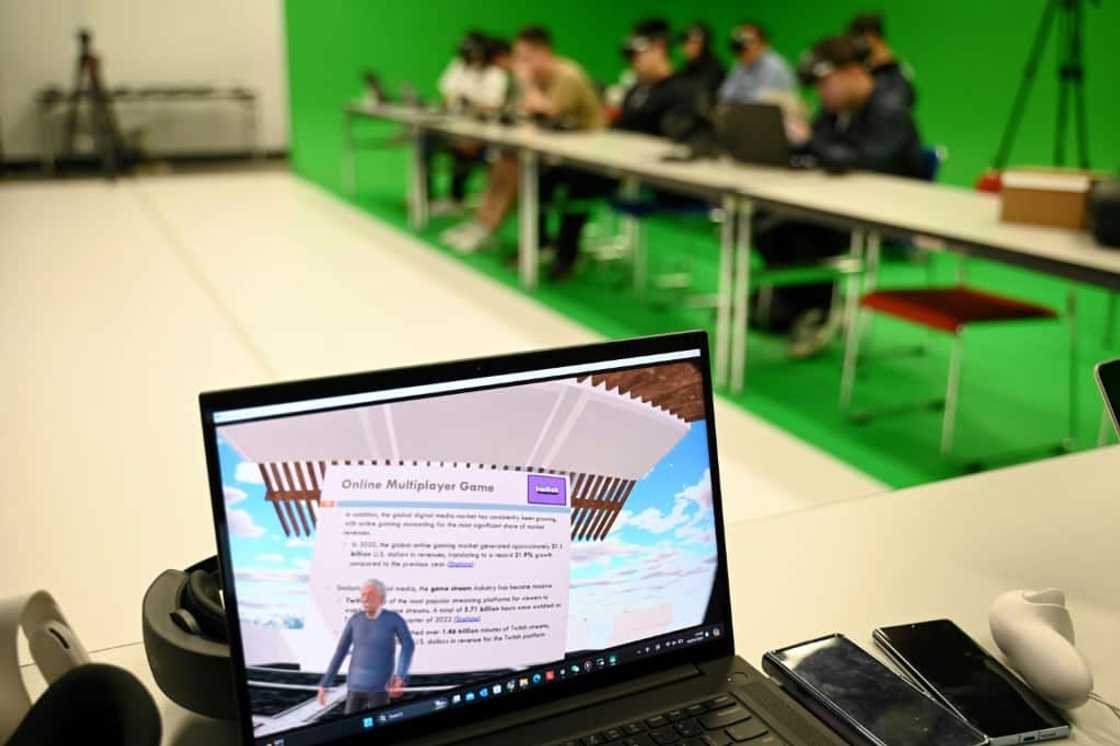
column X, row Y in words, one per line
column 755, row 133
column 524, row 549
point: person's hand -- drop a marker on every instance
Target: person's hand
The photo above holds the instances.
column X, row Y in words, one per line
column 798, row 130
column 396, row 687
column 322, row 696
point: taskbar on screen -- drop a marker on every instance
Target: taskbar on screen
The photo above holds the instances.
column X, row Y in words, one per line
column 457, row 697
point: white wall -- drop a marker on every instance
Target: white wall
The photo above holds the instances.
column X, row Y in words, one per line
column 141, row 42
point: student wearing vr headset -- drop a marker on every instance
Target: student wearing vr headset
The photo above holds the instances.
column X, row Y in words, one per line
column 761, row 72
column 861, row 126
column 890, row 75
column 472, row 83
column 661, row 103
column 555, row 92
column 701, row 66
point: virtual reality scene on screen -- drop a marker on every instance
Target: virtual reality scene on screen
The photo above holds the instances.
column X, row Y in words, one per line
column 390, row 551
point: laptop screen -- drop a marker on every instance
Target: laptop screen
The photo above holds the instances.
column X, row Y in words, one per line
column 398, row 554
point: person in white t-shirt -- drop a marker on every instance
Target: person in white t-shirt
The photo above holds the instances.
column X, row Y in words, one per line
column 473, row 83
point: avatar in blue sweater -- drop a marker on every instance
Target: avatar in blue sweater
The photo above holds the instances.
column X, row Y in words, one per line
column 370, row 637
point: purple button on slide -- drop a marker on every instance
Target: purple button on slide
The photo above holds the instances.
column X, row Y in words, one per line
column 547, row 490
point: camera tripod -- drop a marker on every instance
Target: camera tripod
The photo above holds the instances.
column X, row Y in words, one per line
column 109, row 144
column 1070, row 17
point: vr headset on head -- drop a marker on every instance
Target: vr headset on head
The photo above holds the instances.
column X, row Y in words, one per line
column 472, row 49
column 695, row 31
column 744, row 37
column 825, row 58
column 636, row 43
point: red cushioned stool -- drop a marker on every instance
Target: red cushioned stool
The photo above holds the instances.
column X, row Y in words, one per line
column 948, row 310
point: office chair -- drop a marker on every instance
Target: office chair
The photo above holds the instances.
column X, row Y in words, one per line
column 944, row 310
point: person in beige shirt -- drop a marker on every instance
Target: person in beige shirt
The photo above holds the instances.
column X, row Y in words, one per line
column 555, row 92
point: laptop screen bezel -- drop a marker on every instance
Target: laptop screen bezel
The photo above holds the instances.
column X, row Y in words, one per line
column 211, row 403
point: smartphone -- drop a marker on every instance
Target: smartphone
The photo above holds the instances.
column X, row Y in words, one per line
column 960, row 674
column 1108, row 378
column 863, row 700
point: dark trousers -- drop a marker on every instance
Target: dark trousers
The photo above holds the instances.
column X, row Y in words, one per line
column 464, row 159
column 363, row 701
column 786, row 243
column 562, row 185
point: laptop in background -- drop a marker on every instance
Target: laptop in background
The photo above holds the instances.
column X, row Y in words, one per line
column 755, row 134
column 524, row 549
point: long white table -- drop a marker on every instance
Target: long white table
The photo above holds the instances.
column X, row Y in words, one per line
column 869, row 205
column 940, row 550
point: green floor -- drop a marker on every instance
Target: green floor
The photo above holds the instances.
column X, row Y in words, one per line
column 1014, row 390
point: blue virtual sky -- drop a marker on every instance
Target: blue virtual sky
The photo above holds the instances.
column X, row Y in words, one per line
column 662, row 545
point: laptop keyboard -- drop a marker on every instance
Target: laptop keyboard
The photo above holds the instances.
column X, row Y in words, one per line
column 717, row 721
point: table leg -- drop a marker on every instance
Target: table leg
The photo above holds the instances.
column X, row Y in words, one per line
column 874, row 254
column 349, row 176
column 725, row 291
column 1110, row 319
column 851, row 300
column 1104, row 429
column 46, row 142
column 741, row 301
column 418, row 187
column 528, row 209
column 1071, row 318
column 255, row 143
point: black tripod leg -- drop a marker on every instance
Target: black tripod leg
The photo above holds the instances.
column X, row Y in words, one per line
column 1012, row 128
column 1077, row 74
column 1060, row 127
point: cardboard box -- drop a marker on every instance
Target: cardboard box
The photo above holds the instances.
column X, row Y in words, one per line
column 1053, row 197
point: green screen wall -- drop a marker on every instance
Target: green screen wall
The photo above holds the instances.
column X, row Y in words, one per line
column 967, row 56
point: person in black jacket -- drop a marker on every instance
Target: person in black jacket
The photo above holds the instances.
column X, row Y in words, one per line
column 890, row 75
column 701, row 66
column 660, row 103
column 862, row 125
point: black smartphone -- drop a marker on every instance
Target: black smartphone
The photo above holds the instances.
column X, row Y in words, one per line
column 955, row 670
column 1108, row 378
column 861, row 699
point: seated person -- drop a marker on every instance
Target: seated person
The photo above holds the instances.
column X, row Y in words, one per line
column 552, row 90
column 499, row 59
column 889, row 74
column 760, row 70
column 470, row 84
column 659, row 103
column 859, row 126
column 701, row 66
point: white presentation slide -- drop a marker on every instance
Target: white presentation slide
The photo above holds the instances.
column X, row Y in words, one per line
column 475, row 560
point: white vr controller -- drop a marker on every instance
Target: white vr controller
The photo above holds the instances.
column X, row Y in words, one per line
column 1035, row 631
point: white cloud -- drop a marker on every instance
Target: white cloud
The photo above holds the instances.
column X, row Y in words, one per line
column 233, row 495
column 598, row 551
column 699, row 493
column 248, row 473
column 656, row 522
column 255, row 575
column 300, row 542
column 242, row 524
column 270, row 557
column 698, row 534
column 301, row 563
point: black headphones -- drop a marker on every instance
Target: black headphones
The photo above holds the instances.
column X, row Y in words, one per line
column 186, row 640
column 744, row 36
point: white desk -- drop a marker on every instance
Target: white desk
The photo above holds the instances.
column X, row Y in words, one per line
column 942, row 550
column 869, row 205
column 616, row 154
